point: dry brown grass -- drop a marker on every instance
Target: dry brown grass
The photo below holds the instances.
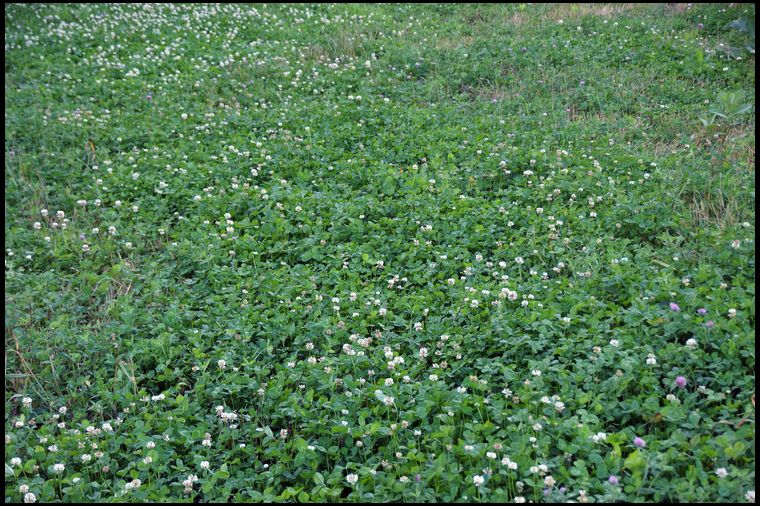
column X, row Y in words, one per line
column 718, row 201
column 737, row 141
column 566, row 11
column 343, row 44
column 485, row 93
column 517, row 19
column 674, row 8
column 570, row 11
column 713, row 206
column 453, row 42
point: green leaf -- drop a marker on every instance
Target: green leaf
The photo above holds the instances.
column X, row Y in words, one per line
column 635, row 462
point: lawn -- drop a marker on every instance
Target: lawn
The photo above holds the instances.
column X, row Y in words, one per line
column 372, row 253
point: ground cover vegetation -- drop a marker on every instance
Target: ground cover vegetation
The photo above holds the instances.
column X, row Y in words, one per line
column 468, row 252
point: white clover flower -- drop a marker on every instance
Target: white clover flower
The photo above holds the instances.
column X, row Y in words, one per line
column 205, row 464
column 133, row 484
column 30, row 498
column 15, row 461
column 59, row 468
column 352, row 478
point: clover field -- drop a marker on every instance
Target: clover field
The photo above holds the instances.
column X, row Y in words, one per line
column 370, row 253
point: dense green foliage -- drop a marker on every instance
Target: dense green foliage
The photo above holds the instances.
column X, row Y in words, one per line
column 379, row 252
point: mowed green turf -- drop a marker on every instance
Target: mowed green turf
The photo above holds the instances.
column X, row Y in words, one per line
column 380, row 253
